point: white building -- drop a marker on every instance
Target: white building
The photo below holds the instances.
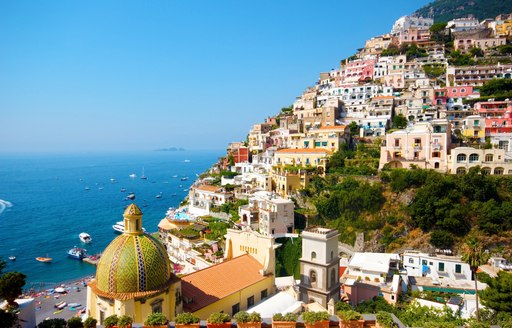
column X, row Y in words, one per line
column 406, row 22
column 373, row 266
column 436, row 266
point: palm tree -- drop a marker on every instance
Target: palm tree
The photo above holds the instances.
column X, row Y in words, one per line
column 473, row 254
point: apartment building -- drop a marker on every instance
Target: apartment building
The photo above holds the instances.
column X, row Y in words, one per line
column 491, row 161
column 476, row 75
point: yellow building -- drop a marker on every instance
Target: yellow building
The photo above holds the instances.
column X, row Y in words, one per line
column 504, row 29
column 474, row 127
column 231, row 286
column 134, row 276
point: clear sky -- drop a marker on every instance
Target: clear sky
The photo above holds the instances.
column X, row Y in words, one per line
column 140, row 75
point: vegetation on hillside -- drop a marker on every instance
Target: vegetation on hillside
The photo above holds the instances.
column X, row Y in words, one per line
column 445, row 10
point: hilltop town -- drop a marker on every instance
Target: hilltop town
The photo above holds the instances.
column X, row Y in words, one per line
column 420, row 117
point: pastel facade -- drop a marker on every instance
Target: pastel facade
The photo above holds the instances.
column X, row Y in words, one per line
column 504, row 28
column 274, row 214
column 406, row 22
column 474, row 128
column 326, row 137
column 286, row 182
column 425, row 145
column 204, row 197
column 435, row 266
column 463, row 24
column 476, row 75
column 490, row 161
column 258, row 137
column 304, row 156
column 465, row 44
column 358, row 70
column 497, row 115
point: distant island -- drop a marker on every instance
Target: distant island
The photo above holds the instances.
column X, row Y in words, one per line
column 171, row 149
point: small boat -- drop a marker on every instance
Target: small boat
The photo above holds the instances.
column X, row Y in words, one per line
column 113, row 180
column 12, row 258
column 184, row 179
column 85, row 237
column 173, row 194
column 74, row 305
column 101, row 188
column 131, row 196
column 61, row 305
column 174, row 176
column 58, row 311
column 123, row 189
column 159, row 195
column 119, row 227
column 187, row 161
column 77, row 253
column 133, row 175
column 143, row 177
column 44, row 259
column 87, row 188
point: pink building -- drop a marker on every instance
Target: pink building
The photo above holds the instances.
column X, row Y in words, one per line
column 358, row 70
column 497, row 116
column 461, row 92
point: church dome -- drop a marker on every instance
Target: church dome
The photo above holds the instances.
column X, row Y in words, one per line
column 134, row 264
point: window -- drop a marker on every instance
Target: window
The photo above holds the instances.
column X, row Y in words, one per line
column 458, row 268
column 235, row 309
column 461, row 170
column 488, row 158
column 498, row 171
column 411, row 260
column 423, row 262
column 312, row 278
column 263, row 294
column 436, row 154
column 461, row 157
column 313, row 255
column 332, row 255
column 473, row 158
column 250, row 301
column 397, row 142
column 436, row 165
column 333, row 277
column 441, row 266
column 156, row 306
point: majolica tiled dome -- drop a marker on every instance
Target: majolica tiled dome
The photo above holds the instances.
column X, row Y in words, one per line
column 134, row 264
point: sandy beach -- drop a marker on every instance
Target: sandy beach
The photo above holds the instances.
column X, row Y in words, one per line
column 74, row 292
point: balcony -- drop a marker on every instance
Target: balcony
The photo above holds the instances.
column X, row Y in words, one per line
column 436, row 146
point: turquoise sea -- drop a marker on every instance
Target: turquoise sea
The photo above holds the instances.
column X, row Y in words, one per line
column 47, row 200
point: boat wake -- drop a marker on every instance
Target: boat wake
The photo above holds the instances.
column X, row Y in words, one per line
column 4, row 204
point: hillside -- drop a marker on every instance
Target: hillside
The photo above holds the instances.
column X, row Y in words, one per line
column 445, row 10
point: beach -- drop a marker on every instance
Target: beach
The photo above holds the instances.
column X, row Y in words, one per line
column 73, row 292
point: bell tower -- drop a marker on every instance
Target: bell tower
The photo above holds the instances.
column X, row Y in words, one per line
column 319, row 266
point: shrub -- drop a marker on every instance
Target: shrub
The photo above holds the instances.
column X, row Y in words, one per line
column 286, row 317
column 186, row 318
column 52, row 323
column 75, row 322
column 219, row 317
column 111, row 321
column 349, row 315
column 156, row 319
column 90, row 322
column 385, row 320
column 313, row 317
column 243, row 316
column 124, row 321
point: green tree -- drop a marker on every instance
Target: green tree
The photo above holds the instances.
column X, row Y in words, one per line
column 496, row 87
column 11, row 286
column 75, row 322
column 473, row 254
column 399, row 121
column 474, row 51
column 437, row 32
column 441, row 239
column 498, row 296
column 354, row 128
column 505, row 49
column 53, row 323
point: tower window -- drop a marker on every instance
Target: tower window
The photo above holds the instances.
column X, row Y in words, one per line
column 313, row 255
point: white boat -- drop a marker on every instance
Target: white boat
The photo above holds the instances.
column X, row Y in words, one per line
column 119, row 227
column 77, row 253
column 12, row 258
column 85, row 237
column 175, row 176
column 143, row 177
column 133, row 175
column 187, row 161
column 113, row 180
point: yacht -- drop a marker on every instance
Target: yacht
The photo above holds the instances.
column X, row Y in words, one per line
column 119, row 227
column 12, row 258
column 85, row 237
column 143, row 176
column 77, row 253
column 133, row 175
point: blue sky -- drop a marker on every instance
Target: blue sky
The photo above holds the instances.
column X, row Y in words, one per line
column 140, row 75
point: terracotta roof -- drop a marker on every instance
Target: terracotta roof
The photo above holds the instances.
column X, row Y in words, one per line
column 209, row 188
column 336, row 127
column 305, row 151
column 209, row 285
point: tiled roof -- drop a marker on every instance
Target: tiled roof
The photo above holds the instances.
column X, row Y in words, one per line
column 305, row 151
column 207, row 286
column 209, row 188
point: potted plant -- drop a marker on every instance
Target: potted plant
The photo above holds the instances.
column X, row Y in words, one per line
column 247, row 320
column 156, row 319
column 187, row 320
column 219, row 320
column 289, row 320
column 111, row 321
column 90, row 322
column 124, row 321
column 316, row 319
column 350, row 319
column 384, row 320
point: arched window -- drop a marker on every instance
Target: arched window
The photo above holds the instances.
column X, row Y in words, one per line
column 485, row 170
column 333, row 277
column 498, row 171
column 461, row 157
column 313, row 255
column 461, row 170
column 312, row 278
column 473, row 158
column 489, row 158
column 332, row 255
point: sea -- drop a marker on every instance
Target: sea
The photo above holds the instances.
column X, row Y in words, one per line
column 47, row 200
